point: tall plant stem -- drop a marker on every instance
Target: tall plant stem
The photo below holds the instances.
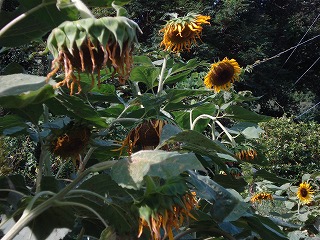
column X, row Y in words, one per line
column 44, row 160
column 24, row 15
column 29, row 215
column 161, row 77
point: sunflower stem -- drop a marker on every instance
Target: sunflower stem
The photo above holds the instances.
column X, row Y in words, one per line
column 86, row 159
column 161, row 77
column 233, row 143
column 32, row 214
column 202, row 116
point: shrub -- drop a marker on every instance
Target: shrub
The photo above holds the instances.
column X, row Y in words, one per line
column 292, row 148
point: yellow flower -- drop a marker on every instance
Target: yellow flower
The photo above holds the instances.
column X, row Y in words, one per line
column 222, row 74
column 247, row 154
column 167, row 219
column 261, row 196
column 181, row 33
column 305, row 193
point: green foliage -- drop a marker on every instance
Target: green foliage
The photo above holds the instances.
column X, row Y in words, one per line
column 291, row 148
column 110, row 181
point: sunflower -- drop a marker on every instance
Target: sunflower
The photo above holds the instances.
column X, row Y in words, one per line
column 181, row 32
column 305, row 193
column 144, row 136
column 246, row 154
column 89, row 45
column 72, row 140
column 167, row 218
column 261, row 196
column 222, row 74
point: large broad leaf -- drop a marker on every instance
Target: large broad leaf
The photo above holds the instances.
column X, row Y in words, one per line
column 53, row 223
column 76, row 107
column 242, row 114
column 145, row 74
column 266, row 228
column 32, row 20
column 227, row 205
column 176, row 95
column 180, row 71
column 21, row 90
column 12, row 124
column 202, row 145
column 130, row 172
column 271, row 177
column 183, row 117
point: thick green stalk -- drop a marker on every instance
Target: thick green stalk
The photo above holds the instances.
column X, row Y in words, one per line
column 30, row 215
column 161, row 77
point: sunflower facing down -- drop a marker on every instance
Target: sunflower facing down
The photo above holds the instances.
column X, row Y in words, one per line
column 222, row 74
column 305, row 193
column 259, row 197
column 162, row 221
column 181, row 32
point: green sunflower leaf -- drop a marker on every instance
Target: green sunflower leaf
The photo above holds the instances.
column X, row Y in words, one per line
column 77, row 107
column 266, row 228
column 226, row 205
column 130, row 173
column 145, row 74
column 19, row 99
column 242, row 114
column 200, row 144
column 12, row 124
column 40, row 16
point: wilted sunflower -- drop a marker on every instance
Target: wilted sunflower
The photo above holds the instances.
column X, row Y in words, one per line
column 181, row 32
column 71, row 142
column 222, row 74
column 305, row 193
column 246, row 154
column 144, row 136
column 89, row 45
column 167, row 218
column 261, row 196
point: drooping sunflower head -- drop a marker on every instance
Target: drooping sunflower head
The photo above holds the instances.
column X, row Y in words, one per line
column 222, row 74
column 72, row 140
column 167, row 216
column 259, row 197
column 180, row 33
column 144, row 136
column 88, row 45
column 305, row 193
column 246, row 153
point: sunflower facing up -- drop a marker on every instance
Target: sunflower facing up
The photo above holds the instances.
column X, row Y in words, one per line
column 181, row 32
column 222, row 74
column 305, row 193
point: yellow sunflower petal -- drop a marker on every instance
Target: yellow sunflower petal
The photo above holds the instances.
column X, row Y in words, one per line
column 222, row 74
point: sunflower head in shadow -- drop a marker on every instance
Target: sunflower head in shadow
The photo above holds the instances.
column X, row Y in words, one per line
column 69, row 141
column 89, row 45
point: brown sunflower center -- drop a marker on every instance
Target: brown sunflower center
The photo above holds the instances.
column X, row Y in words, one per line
column 185, row 34
column 222, row 74
column 303, row 192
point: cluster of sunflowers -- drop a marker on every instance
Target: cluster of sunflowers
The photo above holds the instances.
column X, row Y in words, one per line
column 89, row 45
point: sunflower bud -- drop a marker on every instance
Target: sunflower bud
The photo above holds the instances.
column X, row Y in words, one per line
column 89, row 45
